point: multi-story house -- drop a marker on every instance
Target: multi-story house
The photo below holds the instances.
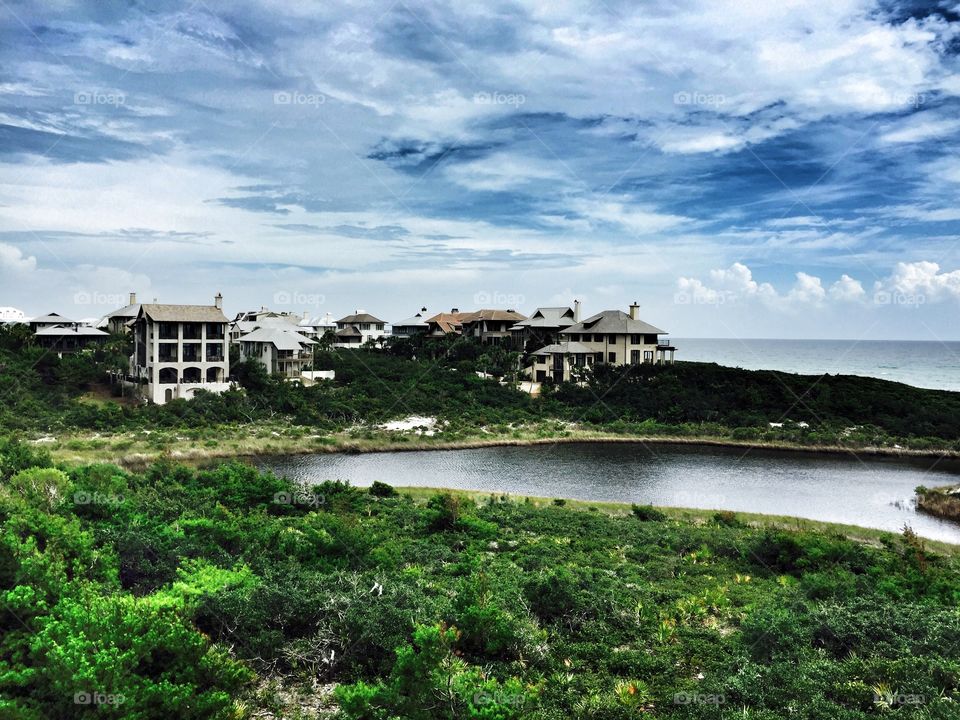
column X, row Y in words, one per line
column 179, row 349
column 445, row 323
column 247, row 322
column 355, row 330
column 119, row 321
column 543, row 326
column 49, row 320
column 282, row 351
column 411, row 326
column 490, row 327
column 611, row 337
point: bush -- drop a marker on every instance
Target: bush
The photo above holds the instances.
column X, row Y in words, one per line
column 647, row 513
column 381, row 489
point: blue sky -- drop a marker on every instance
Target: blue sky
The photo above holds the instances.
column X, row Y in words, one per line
column 741, row 169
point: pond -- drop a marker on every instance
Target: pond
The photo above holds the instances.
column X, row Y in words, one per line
column 865, row 491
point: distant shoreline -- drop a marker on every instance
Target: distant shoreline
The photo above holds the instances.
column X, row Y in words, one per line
column 407, row 443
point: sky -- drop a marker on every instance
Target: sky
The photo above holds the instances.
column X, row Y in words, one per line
column 739, row 169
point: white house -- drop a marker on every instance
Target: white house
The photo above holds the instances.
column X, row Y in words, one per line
column 280, row 350
column 179, row 349
column 69, row 337
column 411, row 326
column 317, row 326
column 354, row 330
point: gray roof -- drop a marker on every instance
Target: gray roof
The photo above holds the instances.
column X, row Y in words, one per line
column 566, row 347
column 64, row 330
column 416, row 321
column 280, row 338
column 548, row 317
column 348, row 331
column 129, row 311
column 50, row 318
column 610, row 322
column 183, row 313
column 360, row 318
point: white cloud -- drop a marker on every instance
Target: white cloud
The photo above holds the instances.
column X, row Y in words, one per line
column 846, row 289
column 919, row 129
column 921, row 279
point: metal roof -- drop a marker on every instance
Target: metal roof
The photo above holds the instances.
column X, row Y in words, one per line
column 280, row 338
column 613, row 322
column 568, row 347
column 548, row 317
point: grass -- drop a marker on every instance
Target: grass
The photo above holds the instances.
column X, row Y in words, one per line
column 696, row 516
column 136, row 448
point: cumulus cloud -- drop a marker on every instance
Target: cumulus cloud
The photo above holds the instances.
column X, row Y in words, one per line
column 923, row 282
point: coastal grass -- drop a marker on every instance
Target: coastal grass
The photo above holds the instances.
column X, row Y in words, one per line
column 138, row 447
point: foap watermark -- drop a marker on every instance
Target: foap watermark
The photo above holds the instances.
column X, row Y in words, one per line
column 511, row 300
column 82, row 497
column 714, row 297
column 299, row 497
column 697, row 698
column 93, row 297
column 694, row 97
column 286, row 297
column 95, row 697
column 499, row 98
column 295, row 97
column 99, row 97
column 885, row 297
column 501, row 698
column 884, row 698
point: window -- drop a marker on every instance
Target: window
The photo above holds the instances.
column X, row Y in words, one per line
column 214, row 331
column 167, row 330
column 611, row 357
column 191, row 352
column 648, row 356
column 613, row 339
column 598, row 338
column 579, row 359
column 167, row 352
column 599, row 357
column 634, row 357
column 214, row 352
column 191, row 331
column 635, row 340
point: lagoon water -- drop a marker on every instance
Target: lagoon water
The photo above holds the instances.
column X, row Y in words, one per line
column 923, row 364
column 848, row 489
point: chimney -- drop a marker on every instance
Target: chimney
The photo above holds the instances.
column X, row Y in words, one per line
column 423, row 309
column 133, row 299
column 306, row 315
column 218, row 301
column 634, row 310
column 576, row 311
column 454, row 310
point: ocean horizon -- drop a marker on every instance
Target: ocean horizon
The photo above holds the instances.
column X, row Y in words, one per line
column 921, row 363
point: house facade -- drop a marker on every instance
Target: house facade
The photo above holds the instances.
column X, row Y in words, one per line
column 490, row 327
column 281, row 351
column 69, row 338
column 611, row 337
column 317, row 326
column 543, row 327
column 119, row 321
column 179, row 349
column 411, row 326
column 355, row 330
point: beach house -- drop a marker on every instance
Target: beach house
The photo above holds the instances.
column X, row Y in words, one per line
column 180, row 349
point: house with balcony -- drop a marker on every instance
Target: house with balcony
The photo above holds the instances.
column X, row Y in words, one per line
column 356, row 329
column 411, row 326
column 281, row 351
column 180, row 349
column 490, row 327
column 611, row 337
column 248, row 321
column 543, row 326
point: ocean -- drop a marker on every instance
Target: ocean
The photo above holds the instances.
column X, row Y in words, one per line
column 920, row 363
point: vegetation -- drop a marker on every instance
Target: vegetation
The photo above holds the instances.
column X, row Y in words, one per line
column 941, row 501
column 227, row 593
column 449, row 380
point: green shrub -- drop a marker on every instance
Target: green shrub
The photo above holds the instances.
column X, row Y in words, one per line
column 648, row 513
column 382, row 489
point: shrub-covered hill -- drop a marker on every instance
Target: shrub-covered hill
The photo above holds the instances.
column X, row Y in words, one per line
column 45, row 394
column 179, row 592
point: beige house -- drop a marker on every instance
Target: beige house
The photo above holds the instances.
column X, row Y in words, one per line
column 611, row 337
column 179, row 349
column 354, row 330
column 119, row 321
